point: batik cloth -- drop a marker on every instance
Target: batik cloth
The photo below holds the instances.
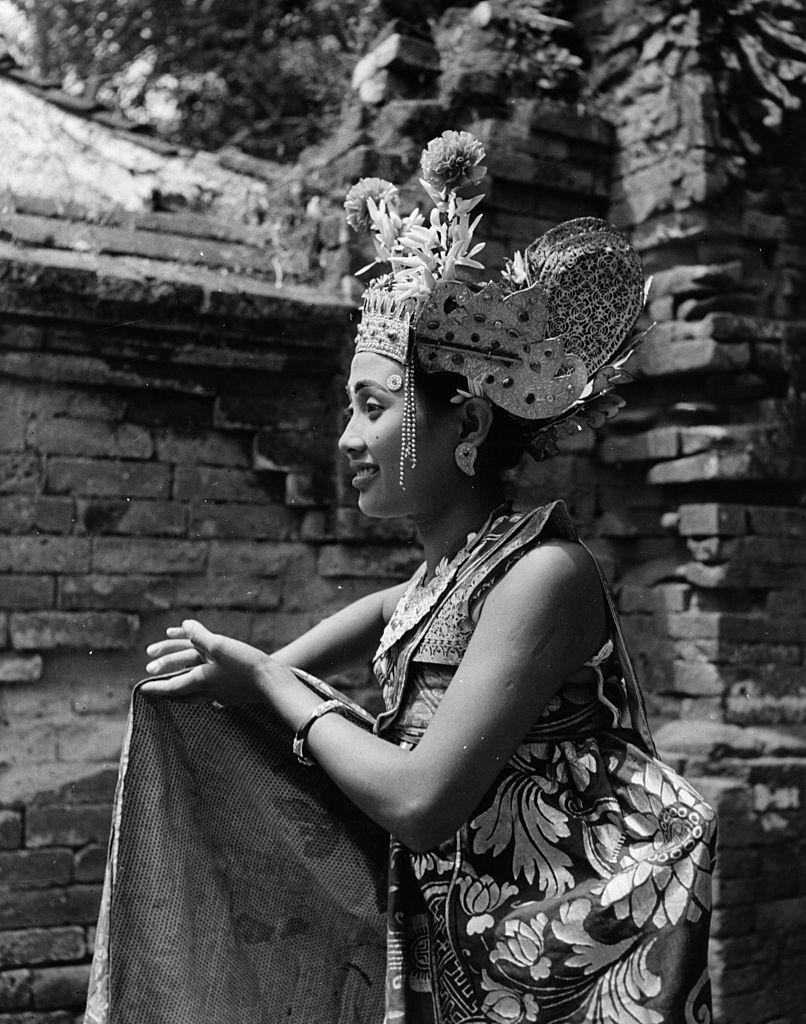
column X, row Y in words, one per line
column 579, row 890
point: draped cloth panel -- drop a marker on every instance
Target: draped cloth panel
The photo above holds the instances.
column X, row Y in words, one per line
column 241, row 886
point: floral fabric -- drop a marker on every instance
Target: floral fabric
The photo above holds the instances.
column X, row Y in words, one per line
column 579, row 889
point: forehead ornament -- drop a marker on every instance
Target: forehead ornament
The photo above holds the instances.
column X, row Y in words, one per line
column 394, row 382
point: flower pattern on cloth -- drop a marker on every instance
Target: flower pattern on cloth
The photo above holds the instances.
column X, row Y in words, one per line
column 579, row 888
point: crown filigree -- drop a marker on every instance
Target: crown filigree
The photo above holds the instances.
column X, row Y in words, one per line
column 385, row 325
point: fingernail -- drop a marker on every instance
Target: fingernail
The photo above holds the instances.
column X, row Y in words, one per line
column 151, row 666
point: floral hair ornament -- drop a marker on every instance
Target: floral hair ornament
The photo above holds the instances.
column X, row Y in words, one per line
column 547, row 343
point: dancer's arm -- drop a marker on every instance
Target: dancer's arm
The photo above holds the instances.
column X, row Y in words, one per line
column 539, row 624
column 342, row 640
column 348, row 637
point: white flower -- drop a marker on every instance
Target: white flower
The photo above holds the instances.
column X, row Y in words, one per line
column 523, row 947
column 479, row 896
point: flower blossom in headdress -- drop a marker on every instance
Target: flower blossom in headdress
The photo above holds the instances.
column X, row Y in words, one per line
column 378, row 191
column 453, row 160
column 421, row 254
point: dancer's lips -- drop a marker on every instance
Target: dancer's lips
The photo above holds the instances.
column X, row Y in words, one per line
column 364, row 474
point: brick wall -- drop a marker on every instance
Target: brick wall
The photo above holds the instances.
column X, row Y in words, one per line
column 147, row 473
column 139, row 485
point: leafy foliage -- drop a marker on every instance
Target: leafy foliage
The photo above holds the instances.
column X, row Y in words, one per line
column 267, row 75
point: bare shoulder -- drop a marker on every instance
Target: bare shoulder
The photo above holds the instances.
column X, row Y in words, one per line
column 557, row 562
column 555, row 579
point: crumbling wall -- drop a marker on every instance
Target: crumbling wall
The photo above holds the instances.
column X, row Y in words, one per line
column 166, row 466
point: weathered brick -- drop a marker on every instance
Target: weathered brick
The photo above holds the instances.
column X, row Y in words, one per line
column 325, row 596
column 781, row 916
column 707, row 438
column 28, row 908
column 762, row 654
column 208, row 447
column 658, row 358
column 628, row 523
column 673, row 597
column 738, row 575
column 35, row 869
column 228, row 591
column 20, row 668
column 66, row 436
column 124, row 593
column 779, row 550
column 10, row 830
column 40, row 945
column 697, row 649
column 368, row 560
column 14, row 413
column 133, row 518
column 95, row 786
column 766, row 709
column 27, row 742
column 733, row 921
column 709, row 466
column 20, row 592
column 15, row 989
column 659, row 443
column 44, row 554
column 89, row 864
column 56, row 987
column 788, row 602
column 779, row 522
column 24, row 513
column 96, row 737
column 67, row 825
column 47, row 630
column 711, row 519
column 239, row 558
column 685, row 280
column 734, row 627
column 20, row 473
column 698, row 679
column 280, row 628
column 108, row 478
column 231, row 519
column 710, row 549
column 117, row 555
column 214, row 483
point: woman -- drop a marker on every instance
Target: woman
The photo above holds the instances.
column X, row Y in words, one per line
column 544, row 865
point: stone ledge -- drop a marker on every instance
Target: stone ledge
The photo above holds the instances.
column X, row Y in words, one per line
column 186, row 224
column 717, row 741
column 729, row 465
column 41, row 282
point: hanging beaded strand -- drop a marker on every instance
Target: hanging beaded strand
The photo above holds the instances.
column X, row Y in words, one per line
column 408, row 438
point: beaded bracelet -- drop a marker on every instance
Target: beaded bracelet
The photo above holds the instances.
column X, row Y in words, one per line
column 301, row 735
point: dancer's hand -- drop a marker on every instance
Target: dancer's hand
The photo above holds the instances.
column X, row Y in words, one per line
column 210, row 667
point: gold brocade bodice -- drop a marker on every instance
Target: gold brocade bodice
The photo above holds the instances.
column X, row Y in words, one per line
column 428, row 634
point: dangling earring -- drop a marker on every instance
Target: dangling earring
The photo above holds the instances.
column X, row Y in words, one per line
column 465, row 456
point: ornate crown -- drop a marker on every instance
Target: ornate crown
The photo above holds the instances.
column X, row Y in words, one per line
column 547, row 343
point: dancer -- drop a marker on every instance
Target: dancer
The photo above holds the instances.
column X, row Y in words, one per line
column 544, row 865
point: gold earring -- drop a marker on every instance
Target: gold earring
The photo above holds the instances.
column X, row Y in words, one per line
column 465, row 456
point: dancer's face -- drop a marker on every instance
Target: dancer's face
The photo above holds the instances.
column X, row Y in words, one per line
column 372, row 441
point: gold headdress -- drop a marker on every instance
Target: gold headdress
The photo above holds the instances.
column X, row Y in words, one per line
column 547, row 343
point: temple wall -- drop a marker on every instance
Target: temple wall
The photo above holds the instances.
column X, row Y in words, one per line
column 182, row 465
